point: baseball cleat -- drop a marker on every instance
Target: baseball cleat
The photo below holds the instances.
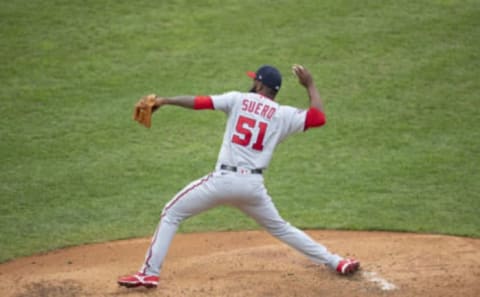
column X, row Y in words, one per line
column 348, row 266
column 139, row 279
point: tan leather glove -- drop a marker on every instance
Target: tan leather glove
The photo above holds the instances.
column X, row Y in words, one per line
column 144, row 109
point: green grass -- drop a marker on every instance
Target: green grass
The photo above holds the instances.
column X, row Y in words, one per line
column 400, row 81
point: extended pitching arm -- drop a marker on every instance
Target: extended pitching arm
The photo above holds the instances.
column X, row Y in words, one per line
column 305, row 78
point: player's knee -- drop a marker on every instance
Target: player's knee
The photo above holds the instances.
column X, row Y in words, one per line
column 170, row 217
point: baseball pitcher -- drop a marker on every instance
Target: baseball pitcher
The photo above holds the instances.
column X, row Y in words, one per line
column 255, row 125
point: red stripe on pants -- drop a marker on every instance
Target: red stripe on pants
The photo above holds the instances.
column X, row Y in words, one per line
column 170, row 205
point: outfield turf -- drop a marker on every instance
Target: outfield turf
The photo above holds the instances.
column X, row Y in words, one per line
column 400, row 80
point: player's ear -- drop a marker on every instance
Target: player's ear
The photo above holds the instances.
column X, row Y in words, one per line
column 259, row 85
column 255, row 86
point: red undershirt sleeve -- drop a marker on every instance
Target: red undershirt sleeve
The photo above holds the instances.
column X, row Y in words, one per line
column 203, row 102
column 314, row 118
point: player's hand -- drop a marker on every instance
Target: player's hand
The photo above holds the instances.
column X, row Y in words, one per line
column 304, row 76
column 150, row 100
column 159, row 102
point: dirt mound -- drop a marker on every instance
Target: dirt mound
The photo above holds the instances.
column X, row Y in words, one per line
column 254, row 264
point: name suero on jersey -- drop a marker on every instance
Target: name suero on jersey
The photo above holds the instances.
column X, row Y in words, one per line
column 264, row 110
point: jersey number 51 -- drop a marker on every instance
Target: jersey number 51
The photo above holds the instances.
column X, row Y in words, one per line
column 244, row 132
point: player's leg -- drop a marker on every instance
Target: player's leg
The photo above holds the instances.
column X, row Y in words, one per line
column 196, row 197
column 266, row 214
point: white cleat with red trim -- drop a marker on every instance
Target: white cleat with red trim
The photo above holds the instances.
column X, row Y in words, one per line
column 139, row 279
column 348, row 266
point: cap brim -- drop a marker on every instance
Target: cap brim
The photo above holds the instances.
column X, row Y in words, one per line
column 251, row 74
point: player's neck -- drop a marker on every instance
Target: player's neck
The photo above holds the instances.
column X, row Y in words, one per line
column 268, row 96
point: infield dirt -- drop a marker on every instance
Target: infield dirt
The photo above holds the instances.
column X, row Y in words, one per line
column 253, row 263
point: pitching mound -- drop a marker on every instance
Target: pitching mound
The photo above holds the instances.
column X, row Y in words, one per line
column 255, row 264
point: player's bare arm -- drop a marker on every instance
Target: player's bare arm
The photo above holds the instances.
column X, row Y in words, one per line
column 148, row 104
column 306, row 79
column 182, row 101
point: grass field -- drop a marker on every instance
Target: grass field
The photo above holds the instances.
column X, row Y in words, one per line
column 400, row 80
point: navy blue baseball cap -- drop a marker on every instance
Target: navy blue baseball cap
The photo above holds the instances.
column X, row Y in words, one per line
column 269, row 76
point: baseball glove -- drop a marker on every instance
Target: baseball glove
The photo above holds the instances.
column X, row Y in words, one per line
column 144, row 109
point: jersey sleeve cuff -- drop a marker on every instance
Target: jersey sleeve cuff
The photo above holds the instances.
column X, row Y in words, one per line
column 314, row 118
column 203, row 102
